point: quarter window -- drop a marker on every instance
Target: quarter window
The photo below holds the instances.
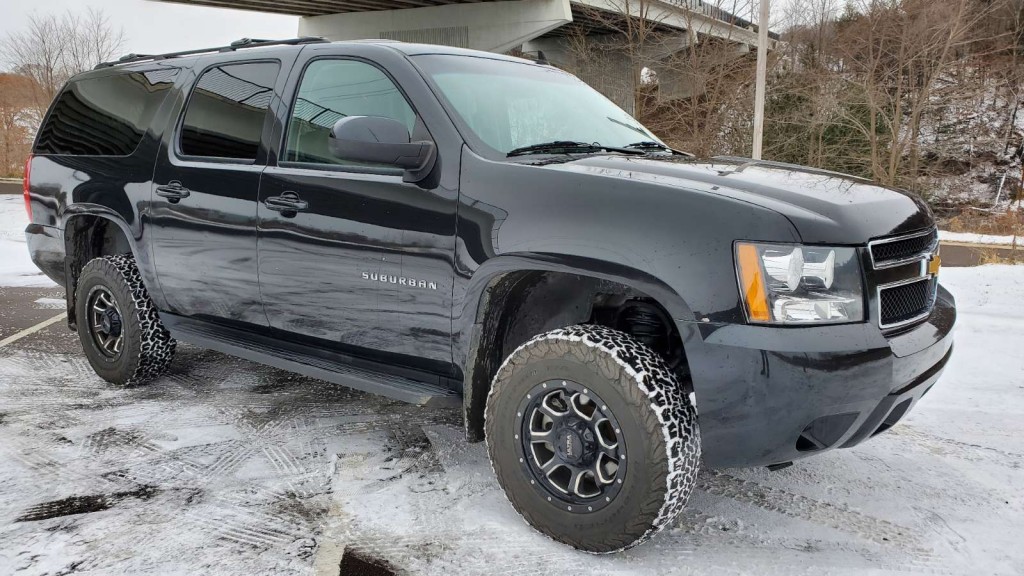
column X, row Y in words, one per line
column 225, row 114
column 105, row 116
column 331, row 90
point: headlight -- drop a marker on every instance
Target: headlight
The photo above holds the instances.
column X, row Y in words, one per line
column 792, row 284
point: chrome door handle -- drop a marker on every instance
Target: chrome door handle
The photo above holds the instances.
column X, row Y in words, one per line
column 288, row 204
column 173, row 191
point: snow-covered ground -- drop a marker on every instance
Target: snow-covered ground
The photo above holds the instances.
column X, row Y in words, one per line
column 226, row 467
column 972, row 238
column 16, row 268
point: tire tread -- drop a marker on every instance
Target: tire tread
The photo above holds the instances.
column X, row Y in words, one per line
column 156, row 349
column 663, row 411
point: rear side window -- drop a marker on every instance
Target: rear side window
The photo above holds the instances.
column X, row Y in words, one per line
column 225, row 114
column 104, row 116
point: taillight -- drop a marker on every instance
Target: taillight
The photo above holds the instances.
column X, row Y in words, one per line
column 25, row 186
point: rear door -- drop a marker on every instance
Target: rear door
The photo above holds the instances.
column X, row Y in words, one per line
column 363, row 261
column 205, row 188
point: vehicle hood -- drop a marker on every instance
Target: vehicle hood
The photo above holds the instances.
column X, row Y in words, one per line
column 823, row 206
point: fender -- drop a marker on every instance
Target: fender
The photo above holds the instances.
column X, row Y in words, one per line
column 474, row 308
column 471, row 323
column 81, row 209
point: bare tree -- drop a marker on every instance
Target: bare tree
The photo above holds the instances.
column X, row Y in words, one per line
column 55, row 47
column 684, row 75
column 17, row 119
column 706, row 91
column 610, row 48
column 893, row 56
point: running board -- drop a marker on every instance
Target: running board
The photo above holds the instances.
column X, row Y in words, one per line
column 324, row 365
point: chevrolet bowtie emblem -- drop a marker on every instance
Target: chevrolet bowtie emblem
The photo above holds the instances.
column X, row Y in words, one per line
column 933, row 264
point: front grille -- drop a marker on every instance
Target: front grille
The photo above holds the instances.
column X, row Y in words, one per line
column 902, row 249
column 905, row 303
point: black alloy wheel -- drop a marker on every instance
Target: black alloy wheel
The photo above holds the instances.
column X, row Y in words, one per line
column 572, row 446
column 105, row 325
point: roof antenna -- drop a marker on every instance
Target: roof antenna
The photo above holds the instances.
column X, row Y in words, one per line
column 542, row 59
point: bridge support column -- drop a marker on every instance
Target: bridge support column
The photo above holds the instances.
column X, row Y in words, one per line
column 598, row 61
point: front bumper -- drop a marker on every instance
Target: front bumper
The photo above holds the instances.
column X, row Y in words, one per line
column 767, row 395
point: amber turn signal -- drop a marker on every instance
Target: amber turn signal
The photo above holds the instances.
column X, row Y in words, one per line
column 752, row 282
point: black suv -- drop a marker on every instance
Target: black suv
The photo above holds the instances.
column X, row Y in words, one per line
column 443, row 225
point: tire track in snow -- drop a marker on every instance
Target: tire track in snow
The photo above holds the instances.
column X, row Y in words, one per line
column 283, row 460
column 962, row 450
column 127, row 444
column 235, row 525
column 836, row 516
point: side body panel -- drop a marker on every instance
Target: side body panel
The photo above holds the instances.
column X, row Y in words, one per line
column 204, row 245
column 341, row 270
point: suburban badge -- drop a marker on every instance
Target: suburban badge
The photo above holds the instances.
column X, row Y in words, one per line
column 399, row 280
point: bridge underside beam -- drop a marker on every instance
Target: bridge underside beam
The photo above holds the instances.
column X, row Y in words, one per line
column 490, row 26
column 673, row 14
column 317, row 7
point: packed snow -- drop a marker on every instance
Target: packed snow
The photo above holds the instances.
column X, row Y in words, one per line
column 226, row 467
column 972, row 238
column 16, row 268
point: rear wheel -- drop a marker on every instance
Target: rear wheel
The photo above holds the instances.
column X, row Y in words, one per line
column 118, row 325
column 592, row 438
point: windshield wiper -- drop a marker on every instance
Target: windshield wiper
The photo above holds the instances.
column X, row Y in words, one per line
column 638, row 129
column 569, row 147
column 652, row 145
column 647, row 144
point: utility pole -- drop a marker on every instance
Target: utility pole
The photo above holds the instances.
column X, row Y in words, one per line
column 762, row 73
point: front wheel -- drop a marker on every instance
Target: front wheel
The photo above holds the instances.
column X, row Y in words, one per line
column 592, row 438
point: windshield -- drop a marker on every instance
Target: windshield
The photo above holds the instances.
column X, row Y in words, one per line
column 508, row 105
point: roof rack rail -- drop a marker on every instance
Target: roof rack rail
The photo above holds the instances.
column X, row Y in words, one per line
column 237, row 44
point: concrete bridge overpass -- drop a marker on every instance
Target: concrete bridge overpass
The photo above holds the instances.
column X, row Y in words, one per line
column 529, row 26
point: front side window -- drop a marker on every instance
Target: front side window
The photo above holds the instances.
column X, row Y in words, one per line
column 105, row 116
column 331, row 90
column 507, row 105
column 225, row 114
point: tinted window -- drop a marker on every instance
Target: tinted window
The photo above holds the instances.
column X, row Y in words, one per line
column 331, row 90
column 104, row 116
column 225, row 113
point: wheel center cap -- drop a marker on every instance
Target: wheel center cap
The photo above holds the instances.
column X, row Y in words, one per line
column 569, row 446
column 575, row 442
column 110, row 323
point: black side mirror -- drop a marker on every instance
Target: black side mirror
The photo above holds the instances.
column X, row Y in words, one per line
column 382, row 141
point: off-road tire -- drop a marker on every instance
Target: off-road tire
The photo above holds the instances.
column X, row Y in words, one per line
column 658, row 422
column 148, row 347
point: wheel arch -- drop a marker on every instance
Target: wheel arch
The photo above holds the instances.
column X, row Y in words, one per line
column 91, row 231
column 512, row 298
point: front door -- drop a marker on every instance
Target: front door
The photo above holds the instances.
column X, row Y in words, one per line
column 349, row 254
column 205, row 188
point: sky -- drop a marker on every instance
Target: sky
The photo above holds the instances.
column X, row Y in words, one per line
column 155, row 27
